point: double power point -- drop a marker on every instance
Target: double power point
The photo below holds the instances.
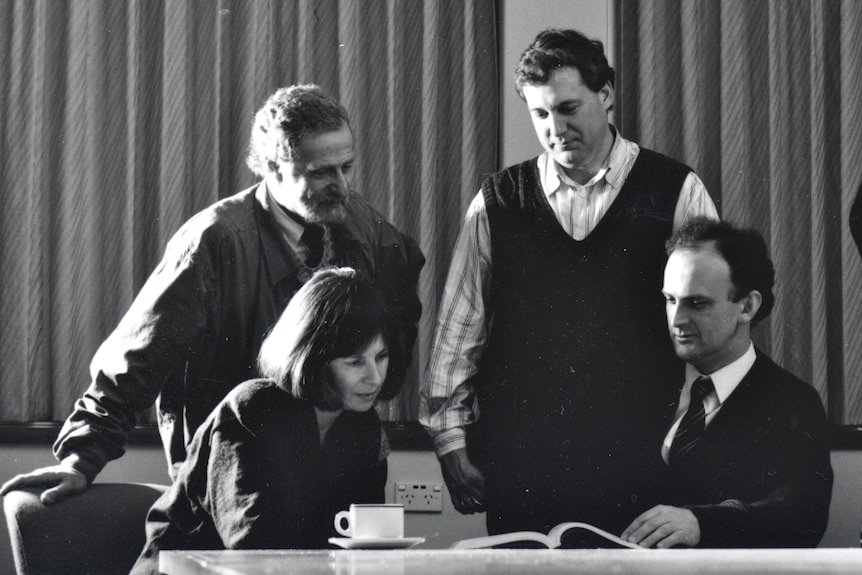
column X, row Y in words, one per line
column 420, row 497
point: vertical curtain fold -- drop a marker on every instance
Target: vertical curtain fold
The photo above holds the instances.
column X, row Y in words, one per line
column 769, row 116
column 122, row 119
column 850, row 143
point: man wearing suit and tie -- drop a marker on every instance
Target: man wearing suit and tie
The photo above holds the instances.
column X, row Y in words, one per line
column 747, row 450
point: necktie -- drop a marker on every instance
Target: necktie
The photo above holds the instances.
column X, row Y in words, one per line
column 690, row 430
column 313, row 239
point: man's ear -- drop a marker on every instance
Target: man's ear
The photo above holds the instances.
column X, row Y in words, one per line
column 606, row 96
column 750, row 306
column 273, row 170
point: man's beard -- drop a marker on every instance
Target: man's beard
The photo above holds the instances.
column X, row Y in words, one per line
column 330, row 211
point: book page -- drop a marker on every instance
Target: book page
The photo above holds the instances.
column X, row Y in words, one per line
column 505, row 538
column 551, row 540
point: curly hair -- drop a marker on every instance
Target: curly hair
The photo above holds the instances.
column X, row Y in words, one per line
column 553, row 49
column 744, row 250
column 288, row 115
column 335, row 314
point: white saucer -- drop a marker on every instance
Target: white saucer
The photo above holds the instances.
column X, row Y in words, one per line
column 388, row 543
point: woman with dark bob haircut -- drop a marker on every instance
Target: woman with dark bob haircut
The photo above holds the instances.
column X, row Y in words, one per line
column 281, row 455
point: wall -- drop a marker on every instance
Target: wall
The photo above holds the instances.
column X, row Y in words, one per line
column 845, row 514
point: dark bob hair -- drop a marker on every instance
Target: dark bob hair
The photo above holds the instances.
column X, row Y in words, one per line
column 744, row 250
column 335, row 314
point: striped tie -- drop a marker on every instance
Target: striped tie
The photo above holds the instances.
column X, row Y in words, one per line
column 690, row 430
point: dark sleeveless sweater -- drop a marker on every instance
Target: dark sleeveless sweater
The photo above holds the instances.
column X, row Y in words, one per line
column 579, row 370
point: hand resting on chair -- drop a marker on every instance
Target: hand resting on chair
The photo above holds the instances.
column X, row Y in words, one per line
column 60, row 482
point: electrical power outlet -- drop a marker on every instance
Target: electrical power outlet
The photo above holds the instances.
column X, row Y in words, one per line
column 420, row 497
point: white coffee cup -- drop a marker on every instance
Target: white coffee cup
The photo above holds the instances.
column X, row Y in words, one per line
column 371, row 521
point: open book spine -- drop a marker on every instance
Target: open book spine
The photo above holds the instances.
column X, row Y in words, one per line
column 557, row 534
column 551, row 540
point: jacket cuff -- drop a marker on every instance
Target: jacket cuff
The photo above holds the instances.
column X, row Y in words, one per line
column 89, row 469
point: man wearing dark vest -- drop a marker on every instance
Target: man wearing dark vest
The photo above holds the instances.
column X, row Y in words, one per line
column 748, row 444
column 551, row 367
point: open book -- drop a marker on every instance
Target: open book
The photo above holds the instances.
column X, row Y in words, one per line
column 551, row 540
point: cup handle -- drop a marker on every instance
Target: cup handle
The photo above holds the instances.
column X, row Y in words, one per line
column 343, row 516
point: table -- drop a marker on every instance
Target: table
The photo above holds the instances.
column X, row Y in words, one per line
column 516, row 562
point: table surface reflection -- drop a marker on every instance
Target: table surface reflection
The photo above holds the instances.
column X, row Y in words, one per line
column 515, row 562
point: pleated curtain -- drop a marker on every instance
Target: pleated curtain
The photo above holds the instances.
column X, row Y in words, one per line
column 764, row 100
column 119, row 119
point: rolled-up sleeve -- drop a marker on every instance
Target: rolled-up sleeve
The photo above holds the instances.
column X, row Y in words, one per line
column 448, row 401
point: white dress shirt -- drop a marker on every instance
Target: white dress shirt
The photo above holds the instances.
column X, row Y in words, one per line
column 725, row 380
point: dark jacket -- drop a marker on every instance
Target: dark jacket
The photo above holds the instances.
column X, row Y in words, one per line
column 194, row 331
column 761, row 476
column 257, row 477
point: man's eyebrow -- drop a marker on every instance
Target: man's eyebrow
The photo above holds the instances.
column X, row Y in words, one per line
column 310, row 167
column 569, row 102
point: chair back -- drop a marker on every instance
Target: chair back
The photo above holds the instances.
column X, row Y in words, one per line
column 100, row 531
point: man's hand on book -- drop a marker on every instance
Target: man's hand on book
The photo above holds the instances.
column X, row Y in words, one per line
column 664, row 526
column 465, row 482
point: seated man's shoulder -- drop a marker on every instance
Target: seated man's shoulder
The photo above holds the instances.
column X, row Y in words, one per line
column 787, row 391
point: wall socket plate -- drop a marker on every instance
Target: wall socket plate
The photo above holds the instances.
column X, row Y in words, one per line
column 420, row 497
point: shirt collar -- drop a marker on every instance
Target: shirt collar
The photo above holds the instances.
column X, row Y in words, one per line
column 553, row 177
column 272, row 239
column 290, row 228
column 728, row 377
